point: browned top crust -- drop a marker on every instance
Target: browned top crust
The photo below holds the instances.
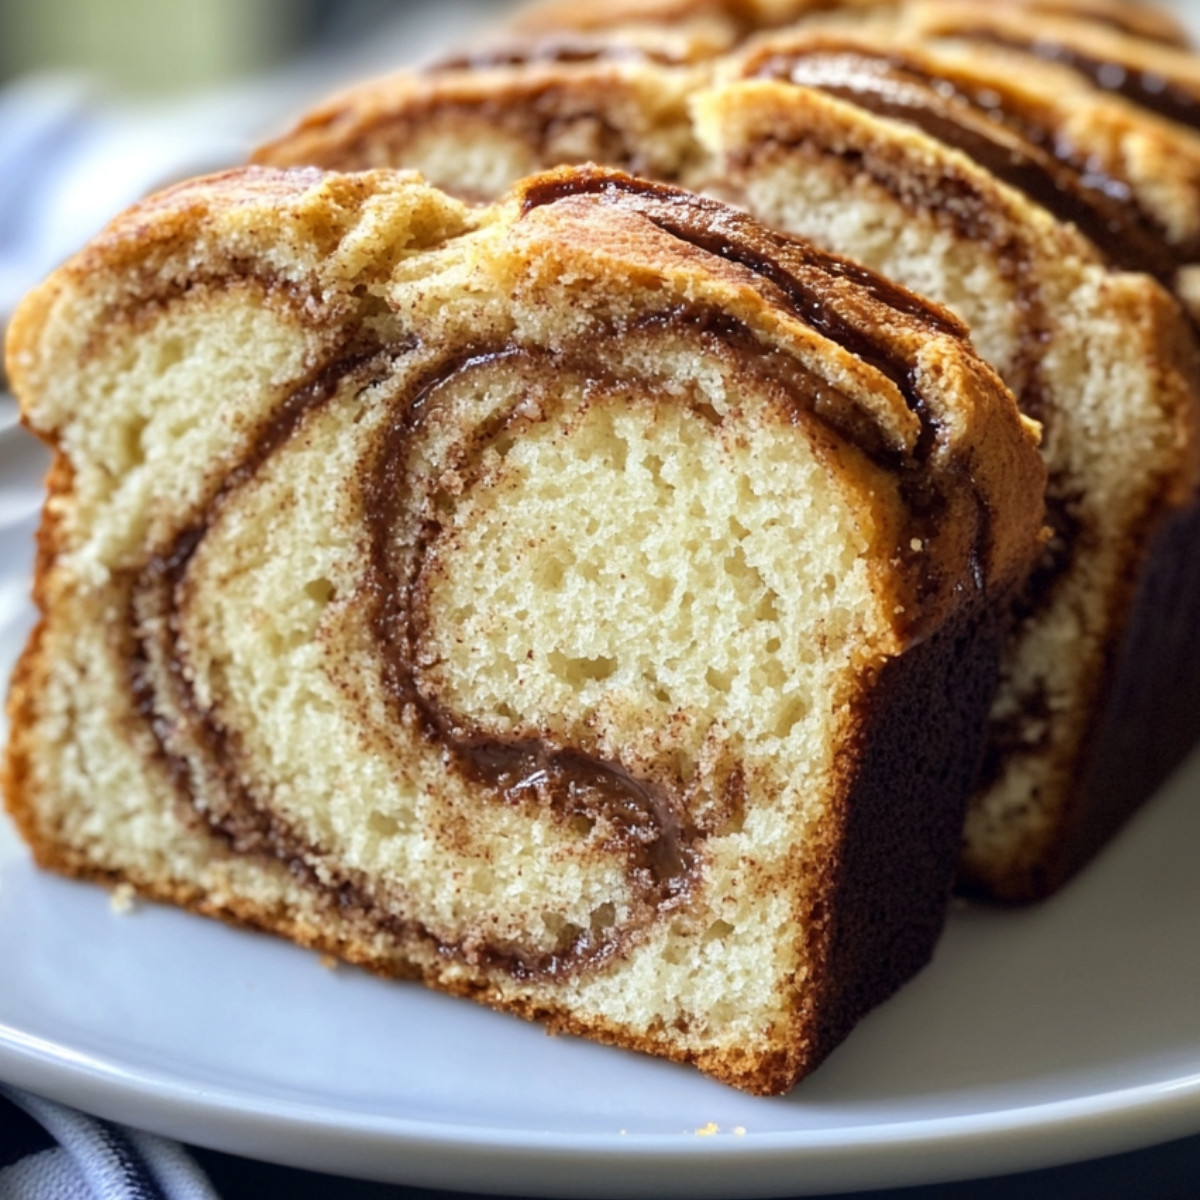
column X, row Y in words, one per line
column 1126, row 177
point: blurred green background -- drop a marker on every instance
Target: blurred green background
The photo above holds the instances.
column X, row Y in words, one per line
column 164, row 47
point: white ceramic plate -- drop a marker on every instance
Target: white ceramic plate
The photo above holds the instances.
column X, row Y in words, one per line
column 1035, row 1037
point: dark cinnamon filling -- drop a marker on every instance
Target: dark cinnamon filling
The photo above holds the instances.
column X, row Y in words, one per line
column 644, row 823
column 801, row 272
column 1067, row 532
column 1006, row 139
column 1026, row 732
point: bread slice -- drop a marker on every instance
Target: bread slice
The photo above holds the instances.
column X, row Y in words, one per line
column 870, row 160
column 476, row 125
column 589, row 605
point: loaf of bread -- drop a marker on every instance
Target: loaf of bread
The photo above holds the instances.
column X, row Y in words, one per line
column 589, row 605
column 1041, row 218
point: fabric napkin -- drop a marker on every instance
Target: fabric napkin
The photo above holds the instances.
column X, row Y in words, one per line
column 48, row 1151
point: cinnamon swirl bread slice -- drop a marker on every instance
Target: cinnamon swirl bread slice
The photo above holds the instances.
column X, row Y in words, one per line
column 476, row 126
column 589, row 605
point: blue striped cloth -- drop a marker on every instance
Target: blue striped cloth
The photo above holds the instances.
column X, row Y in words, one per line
column 48, row 1152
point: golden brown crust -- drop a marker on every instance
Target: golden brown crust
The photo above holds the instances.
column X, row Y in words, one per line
column 28, row 679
